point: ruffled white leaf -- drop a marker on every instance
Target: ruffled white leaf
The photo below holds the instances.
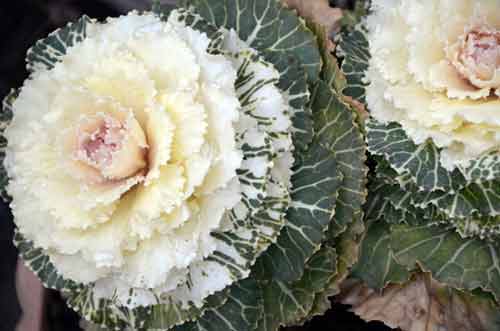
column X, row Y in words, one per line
column 189, row 119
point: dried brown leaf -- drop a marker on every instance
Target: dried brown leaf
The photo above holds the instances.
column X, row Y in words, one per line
column 422, row 304
column 358, row 107
column 318, row 11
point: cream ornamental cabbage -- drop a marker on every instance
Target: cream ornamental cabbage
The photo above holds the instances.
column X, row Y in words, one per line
column 435, row 69
column 187, row 168
column 427, row 72
column 130, row 157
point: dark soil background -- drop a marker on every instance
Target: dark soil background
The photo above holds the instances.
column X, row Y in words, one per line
column 22, row 22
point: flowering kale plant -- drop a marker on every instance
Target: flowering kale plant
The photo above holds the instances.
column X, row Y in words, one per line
column 191, row 168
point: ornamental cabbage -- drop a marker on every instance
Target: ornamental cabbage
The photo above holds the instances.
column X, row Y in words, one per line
column 435, row 69
column 131, row 156
column 190, row 168
column 427, row 73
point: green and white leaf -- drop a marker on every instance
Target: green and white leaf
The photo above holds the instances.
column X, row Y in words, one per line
column 486, row 228
column 241, row 312
column 314, row 193
column 290, row 303
column 348, row 247
column 377, row 265
column 484, row 168
column 483, row 227
column 47, row 52
column 459, row 194
column 461, row 263
column 476, row 199
column 422, row 161
column 293, row 81
column 266, row 26
column 336, row 131
column 390, row 252
column 6, row 114
column 335, row 128
column 377, row 206
column 352, row 48
column 395, row 205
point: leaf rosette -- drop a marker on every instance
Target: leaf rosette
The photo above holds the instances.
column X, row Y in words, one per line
column 192, row 168
column 427, row 72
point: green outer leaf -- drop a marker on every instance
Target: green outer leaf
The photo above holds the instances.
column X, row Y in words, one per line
column 395, row 205
column 347, row 247
column 107, row 314
column 293, row 81
column 241, row 312
column 377, row 205
column 6, row 114
column 464, row 193
column 422, row 161
column 289, row 303
column 265, row 25
column 315, row 184
column 336, row 130
column 485, row 168
column 353, row 49
column 486, row 228
column 458, row 262
column 476, row 199
column 345, row 142
column 461, row 263
column 377, row 265
column 47, row 52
